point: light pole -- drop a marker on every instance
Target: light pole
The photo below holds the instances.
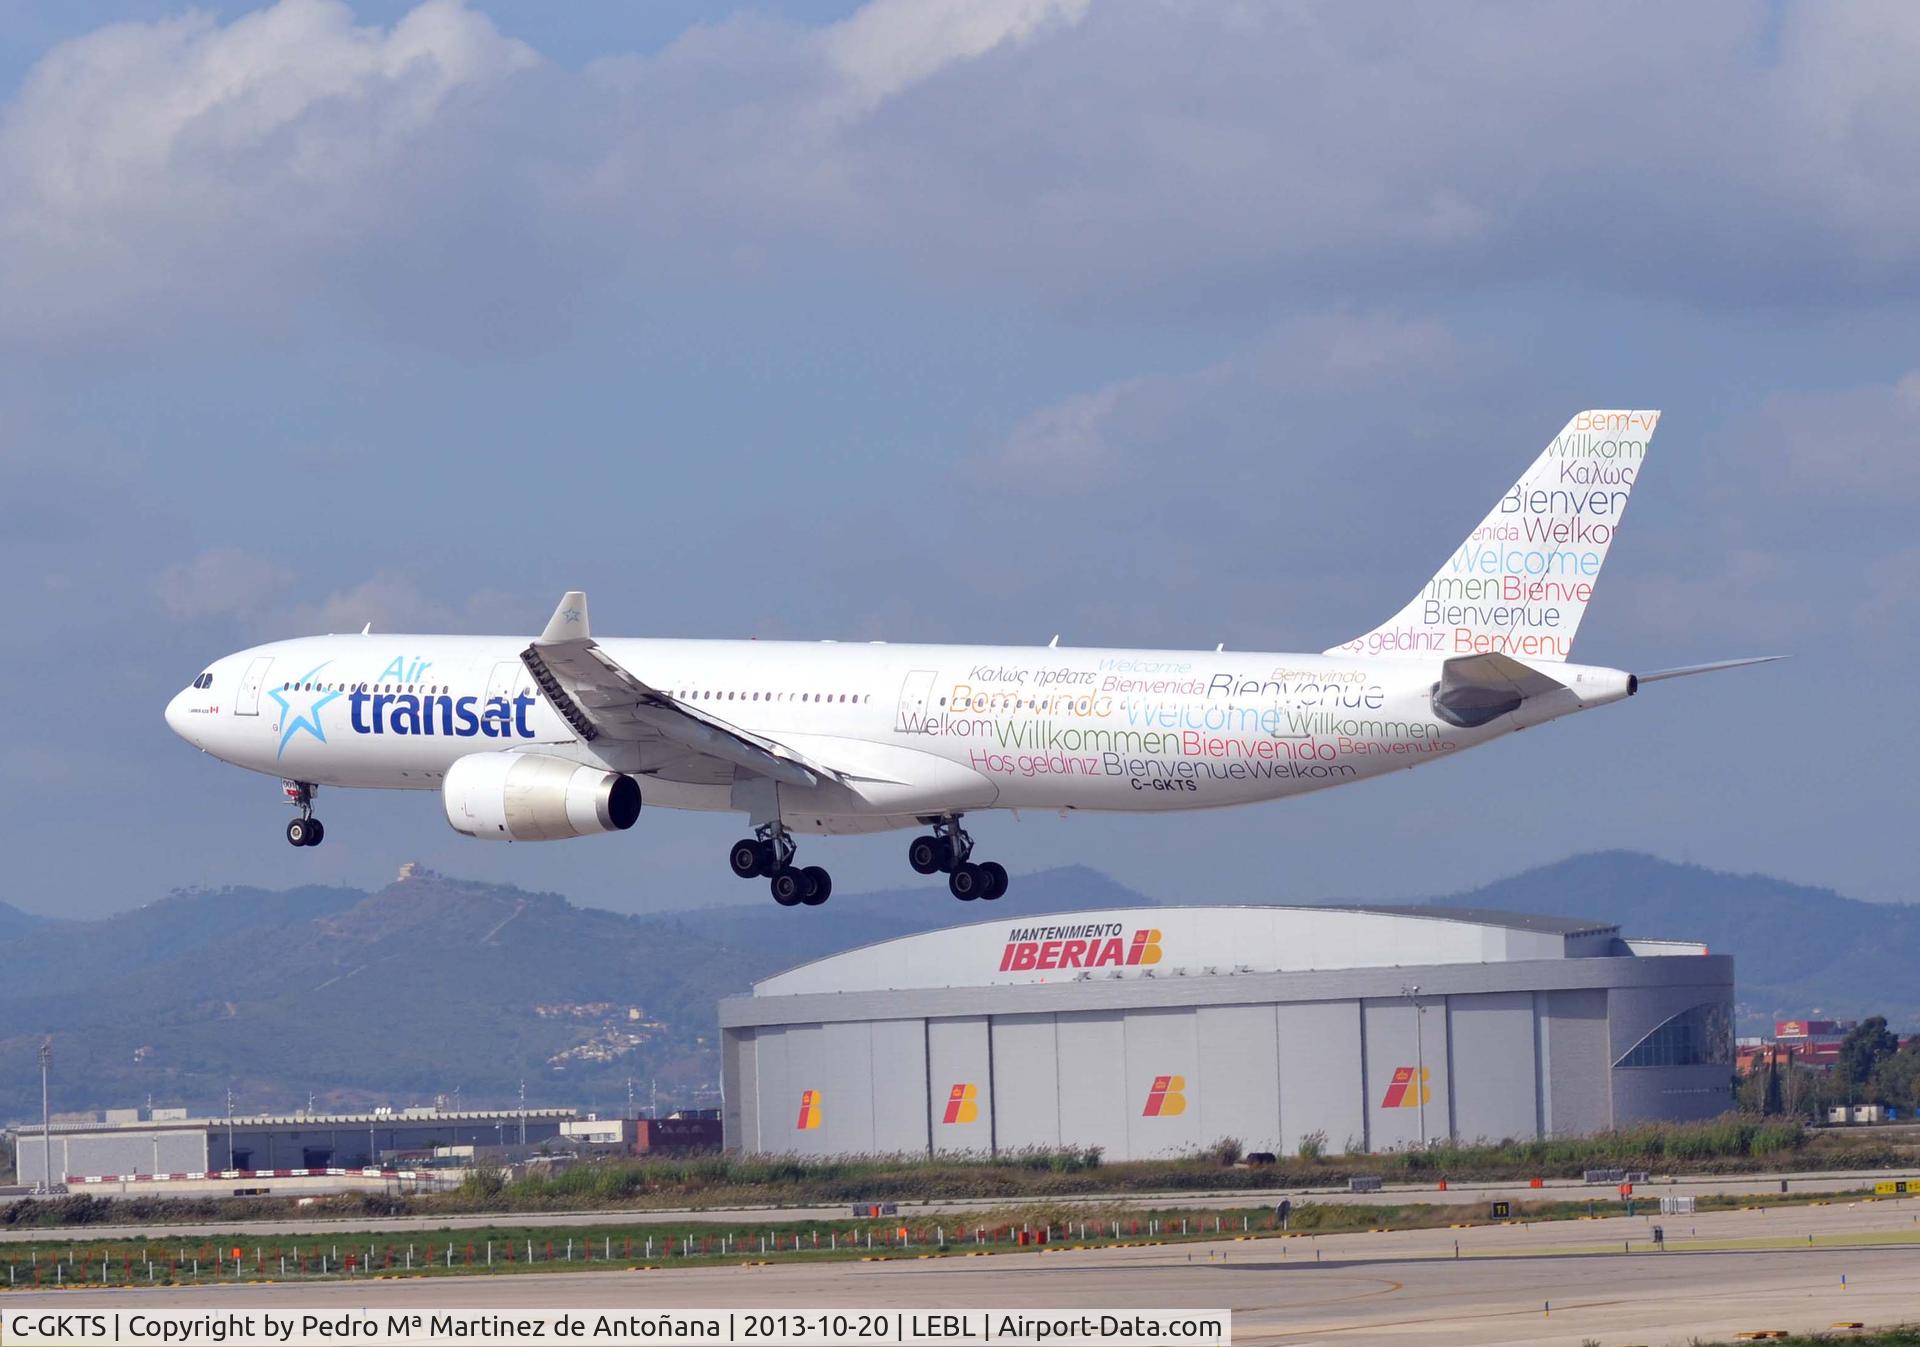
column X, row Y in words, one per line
column 46, row 1117
column 1412, row 994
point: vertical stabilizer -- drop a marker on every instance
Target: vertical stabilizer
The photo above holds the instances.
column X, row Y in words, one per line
column 1520, row 583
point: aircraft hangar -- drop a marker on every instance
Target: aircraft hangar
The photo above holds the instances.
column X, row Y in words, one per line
column 1157, row 1031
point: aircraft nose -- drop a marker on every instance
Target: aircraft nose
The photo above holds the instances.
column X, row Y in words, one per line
column 177, row 717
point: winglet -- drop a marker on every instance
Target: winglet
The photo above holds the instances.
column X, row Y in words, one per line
column 569, row 620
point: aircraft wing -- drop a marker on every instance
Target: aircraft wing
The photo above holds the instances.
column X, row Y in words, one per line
column 599, row 697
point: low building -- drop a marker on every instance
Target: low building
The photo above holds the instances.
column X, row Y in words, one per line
column 161, row 1146
column 1156, row 1031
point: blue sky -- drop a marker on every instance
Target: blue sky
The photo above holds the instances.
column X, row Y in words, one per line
column 1145, row 324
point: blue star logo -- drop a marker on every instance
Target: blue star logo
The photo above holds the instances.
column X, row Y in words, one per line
column 571, row 614
column 309, row 719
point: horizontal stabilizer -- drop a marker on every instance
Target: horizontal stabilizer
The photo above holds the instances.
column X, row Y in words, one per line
column 1474, row 689
column 1688, row 669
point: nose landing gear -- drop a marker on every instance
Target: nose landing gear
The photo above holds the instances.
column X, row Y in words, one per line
column 949, row 847
column 305, row 831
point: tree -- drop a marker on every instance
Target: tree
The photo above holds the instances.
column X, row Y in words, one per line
column 1896, row 1080
column 1861, row 1051
column 1772, row 1105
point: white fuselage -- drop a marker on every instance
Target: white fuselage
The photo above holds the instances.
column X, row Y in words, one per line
column 913, row 731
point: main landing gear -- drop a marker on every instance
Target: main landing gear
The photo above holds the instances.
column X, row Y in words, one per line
column 305, row 831
column 949, row 848
column 768, row 854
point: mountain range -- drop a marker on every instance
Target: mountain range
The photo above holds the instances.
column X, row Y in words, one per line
column 440, row 987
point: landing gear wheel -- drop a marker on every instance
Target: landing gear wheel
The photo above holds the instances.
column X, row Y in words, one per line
column 819, row 886
column 995, row 875
column 300, row 832
column 748, row 858
column 928, row 855
column 316, row 832
column 789, row 888
column 967, row 882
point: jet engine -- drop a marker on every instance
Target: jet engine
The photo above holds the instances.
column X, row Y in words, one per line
column 534, row 797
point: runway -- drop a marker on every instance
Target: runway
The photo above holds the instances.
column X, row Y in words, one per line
column 1457, row 1194
column 1723, row 1273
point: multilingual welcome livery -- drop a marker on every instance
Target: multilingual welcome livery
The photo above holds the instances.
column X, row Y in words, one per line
column 565, row 735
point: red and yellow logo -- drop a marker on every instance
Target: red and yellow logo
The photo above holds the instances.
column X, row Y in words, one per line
column 1400, row 1093
column 809, row 1111
column 962, row 1105
column 1167, row 1098
column 1041, row 948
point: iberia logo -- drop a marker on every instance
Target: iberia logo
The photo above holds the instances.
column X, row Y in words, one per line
column 961, row 1105
column 1093, row 946
column 1167, row 1098
column 1399, row 1095
column 809, row 1110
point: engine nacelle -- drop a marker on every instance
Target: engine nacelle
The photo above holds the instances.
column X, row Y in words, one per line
column 533, row 797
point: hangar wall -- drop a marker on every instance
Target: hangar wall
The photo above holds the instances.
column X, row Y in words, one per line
column 1172, row 1060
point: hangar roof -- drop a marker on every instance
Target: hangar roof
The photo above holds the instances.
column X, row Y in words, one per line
column 1488, row 916
column 1014, row 949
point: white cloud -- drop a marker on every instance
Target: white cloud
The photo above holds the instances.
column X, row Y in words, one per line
column 438, row 175
column 1856, row 444
column 391, row 604
column 1236, row 413
column 186, row 162
column 220, row 582
column 263, row 600
column 890, row 45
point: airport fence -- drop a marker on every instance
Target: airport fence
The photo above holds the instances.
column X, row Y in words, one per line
column 373, row 1254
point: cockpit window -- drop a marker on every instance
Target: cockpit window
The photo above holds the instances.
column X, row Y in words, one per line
column 205, row 680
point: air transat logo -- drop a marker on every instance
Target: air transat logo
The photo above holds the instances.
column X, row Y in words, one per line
column 809, row 1111
column 1092, row 946
column 1167, row 1098
column 961, row 1105
column 307, row 719
column 372, row 711
column 1400, row 1092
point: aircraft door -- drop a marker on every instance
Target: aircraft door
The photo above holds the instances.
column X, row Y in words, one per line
column 505, row 675
column 916, row 699
column 255, row 678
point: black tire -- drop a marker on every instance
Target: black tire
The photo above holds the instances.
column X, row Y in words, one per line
column 789, row 887
column 297, row 830
column 819, row 886
column 924, row 854
column 316, row 832
column 966, row 882
column 996, row 877
column 769, row 860
column 745, row 858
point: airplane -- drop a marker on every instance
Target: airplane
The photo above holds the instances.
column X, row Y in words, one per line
column 564, row 735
